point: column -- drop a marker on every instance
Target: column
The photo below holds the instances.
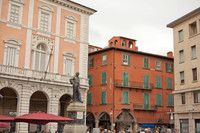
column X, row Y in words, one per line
column 96, row 123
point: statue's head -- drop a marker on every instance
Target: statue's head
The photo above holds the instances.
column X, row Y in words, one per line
column 77, row 74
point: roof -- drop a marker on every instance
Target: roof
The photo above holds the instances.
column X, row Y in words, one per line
column 130, row 51
column 123, row 38
column 183, row 18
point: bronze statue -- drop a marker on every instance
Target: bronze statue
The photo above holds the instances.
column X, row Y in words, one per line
column 76, row 85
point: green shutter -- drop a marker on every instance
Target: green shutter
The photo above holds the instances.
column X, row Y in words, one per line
column 90, row 79
column 146, row 100
column 158, row 99
column 104, row 77
column 129, row 60
column 103, row 97
column 146, row 62
column 169, row 100
column 171, row 67
column 158, row 82
column 166, row 64
column 125, row 97
column 89, row 100
column 92, row 62
column 169, row 83
column 125, row 76
column 146, row 81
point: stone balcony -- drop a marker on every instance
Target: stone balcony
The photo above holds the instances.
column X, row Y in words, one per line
column 143, row 107
column 37, row 76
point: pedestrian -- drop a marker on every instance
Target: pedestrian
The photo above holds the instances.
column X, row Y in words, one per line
column 149, row 130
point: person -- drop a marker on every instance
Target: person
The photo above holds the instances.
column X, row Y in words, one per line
column 149, row 130
column 76, row 85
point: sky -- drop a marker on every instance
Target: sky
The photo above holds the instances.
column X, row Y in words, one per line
column 142, row 20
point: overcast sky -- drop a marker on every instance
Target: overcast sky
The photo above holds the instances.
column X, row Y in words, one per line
column 142, row 20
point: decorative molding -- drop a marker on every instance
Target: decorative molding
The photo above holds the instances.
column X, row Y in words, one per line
column 40, row 39
column 46, row 8
column 13, row 41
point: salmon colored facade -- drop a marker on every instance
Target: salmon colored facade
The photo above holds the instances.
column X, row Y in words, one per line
column 43, row 43
column 134, row 92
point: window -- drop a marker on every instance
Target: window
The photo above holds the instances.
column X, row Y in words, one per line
column 193, row 51
column 15, row 11
column 180, row 33
column 158, row 82
column 146, row 81
column 181, row 56
column 169, row 100
column 183, row 98
column 90, row 79
column 193, row 28
column 70, row 29
column 104, row 78
column 158, row 99
column 169, row 83
column 169, row 67
column 158, row 65
column 125, row 97
column 146, row 100
column 91, row 62
column 184, row 126
column 89, row 98
column 197, row 125
column 182, row 77
column 130, row 44
column 125, row 76
column 41, row 57
column 194, row 73
column 197, row 97
column 124, row 43
column 103, row 97
column 11, row 52
column 125, row 59
column 104, row 59
column 69, row 63
column 45, row 13
column 146, row 62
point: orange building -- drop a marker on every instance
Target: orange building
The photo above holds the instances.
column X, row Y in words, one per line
column 129, row 88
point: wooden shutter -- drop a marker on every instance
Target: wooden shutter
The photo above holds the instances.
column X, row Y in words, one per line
column 90, row 79
column 103, row 97
column 169, row 83
column 89, row 98
column 146, row 100
column 169, row 100
column 146, row 81
column 158, row 99
column 129, row 60
column 104, row 77
column 125, row 97
column 125, row 79
column 158, row 81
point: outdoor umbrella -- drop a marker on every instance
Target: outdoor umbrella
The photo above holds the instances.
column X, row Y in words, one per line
column 41, row 118
column 4, row 125
column 6, row 118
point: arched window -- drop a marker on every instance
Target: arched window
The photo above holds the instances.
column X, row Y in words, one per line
column 130, row 44
column 41, row 57
column 111, row 44
column 69, row 61
column 124, row 43
column 116, row 42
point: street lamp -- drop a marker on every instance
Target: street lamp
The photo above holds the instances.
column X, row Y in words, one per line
column 1, row 96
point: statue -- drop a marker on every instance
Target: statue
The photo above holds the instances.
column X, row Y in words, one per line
column 76, row 85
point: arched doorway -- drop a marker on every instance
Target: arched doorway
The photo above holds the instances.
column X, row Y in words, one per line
column 90, row 120
column 104, row 120
column 8, row 104
column 38, row 102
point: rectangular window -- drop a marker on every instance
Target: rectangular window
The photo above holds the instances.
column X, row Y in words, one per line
column 146, row 62
column 158, row 99
column 44, row 21
column 104, row 78
column 68, row 67
column 14, row 14
column 89, row 98
column 194, row 72
column 181, row 56
column 193, row 28
column 103, row 97
column 193, row 51
column 169, row 67
column 197, row 125
column 90, row 79
column 125, row 59
column 197, row 97
column 11, row 55
column 146, row 100
column 180, row 33
column 183, row 98
column 70, row 30
column 169, row 83
column 182, row 77
column 169, row 100
column 158, row 82
column 184, row 126
column 104, row 59
column 125, row 79
column 125, row 97
column 158, row 65
column 146, row 81
column 91, row 62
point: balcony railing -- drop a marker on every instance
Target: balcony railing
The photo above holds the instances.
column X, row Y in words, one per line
column 144, row 107
column 37, row 75
column 132, row 84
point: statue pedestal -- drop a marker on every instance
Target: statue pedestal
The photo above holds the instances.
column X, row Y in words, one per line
column 76, row 110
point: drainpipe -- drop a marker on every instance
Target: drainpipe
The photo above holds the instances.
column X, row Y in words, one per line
column 113, row 88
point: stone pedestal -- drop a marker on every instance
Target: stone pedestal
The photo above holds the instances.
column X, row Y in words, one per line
column 76, row 111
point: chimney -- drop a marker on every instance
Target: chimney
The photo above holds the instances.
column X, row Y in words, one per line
column 170, row 54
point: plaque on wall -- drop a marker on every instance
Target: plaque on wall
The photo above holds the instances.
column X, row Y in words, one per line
column 79, row 115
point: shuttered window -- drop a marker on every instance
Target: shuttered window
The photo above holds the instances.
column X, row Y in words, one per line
column 169, row 100
column 89, row 100
column 68, row 67
column 103, row 97
column 125, row 79
column 169, row 83
column 103, row 77
column 146, row 100
column 125, row 97
column 158, row 99
column 40, row 60
column 158, row 65
column 146, row 62
column 146, row 81
column 158, row 82
column 10, row 57
column 169, row 67
column 91, row 62
column 125, row 59
column 90, row 79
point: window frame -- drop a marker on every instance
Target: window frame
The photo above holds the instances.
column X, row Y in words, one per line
column 194, row 52
column 181, row 56
column 146, row 64
column 192, row 31
column 169, row 67
column 125, row 61
column 186, row 121
column 91, row 62
column 170, row 100
column 160, row 79
column 102, row 80
column 183, row 98
column 69, row 56
column 103, row 97
column 180, row 35
column 89, row 96
column 182, row 77
column 158, row 99
column 72, row 20
column 158, row 65
column 125, row 101
column 102, row 61
column 90, row 79
column 169, row 83
column 194, row 74
column 196, row 96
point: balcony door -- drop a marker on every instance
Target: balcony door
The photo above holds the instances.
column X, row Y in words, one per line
column 125, row 77
column 146, row 100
